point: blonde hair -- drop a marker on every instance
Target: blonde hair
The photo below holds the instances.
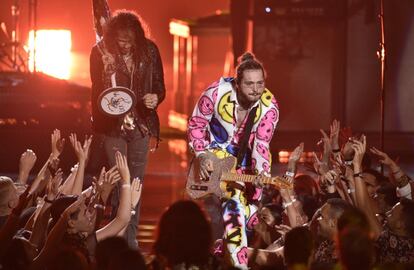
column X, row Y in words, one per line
column 6, row 187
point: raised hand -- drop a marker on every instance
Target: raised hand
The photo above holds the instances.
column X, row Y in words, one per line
column 57, row 143
column 327, row 149
column 319, row 166
column 136, row 191
column 27, row 161
column 87, row 145
column 150, row 101
column 52, row 189
column 106, row 182
column 330, row 178
column 347, row 150
column 282, row 229
column 287, row 194
column 383, row 157
column 334, row 134
column 359, row 147
column 74, row 206
column 81, row 151
column 349, row 175
column 122, row 166
column 297, row 153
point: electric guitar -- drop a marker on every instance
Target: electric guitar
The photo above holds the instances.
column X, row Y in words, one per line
column 224, row 170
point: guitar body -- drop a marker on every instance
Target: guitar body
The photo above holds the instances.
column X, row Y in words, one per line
column 197, row 188
column 224, row 170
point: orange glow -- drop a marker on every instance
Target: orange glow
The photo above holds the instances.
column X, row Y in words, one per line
column 177, row 120
column 179, row 28
column 179, row 147
column 53, row 52
column 284, row 156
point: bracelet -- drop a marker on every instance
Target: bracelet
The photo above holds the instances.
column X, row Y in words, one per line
column 49, row 201
column 290, row 174
column 351, row 190
column 99, row 206
column 358, row 174
column 133, row 212
column 126, row 186
column 285, row 205
column 348, row 162
column 336, row 150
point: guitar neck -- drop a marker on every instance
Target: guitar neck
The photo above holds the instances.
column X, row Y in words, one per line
column 277, row 181
column 247, row 178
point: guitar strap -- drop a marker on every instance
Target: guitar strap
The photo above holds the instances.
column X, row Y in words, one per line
column 246, row 136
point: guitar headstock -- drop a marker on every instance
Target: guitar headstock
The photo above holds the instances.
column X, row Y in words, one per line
column 281, row 182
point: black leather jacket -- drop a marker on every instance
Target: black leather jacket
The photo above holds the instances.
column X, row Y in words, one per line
column 148, row 78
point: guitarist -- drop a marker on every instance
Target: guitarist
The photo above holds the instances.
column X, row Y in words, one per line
column 217, row 126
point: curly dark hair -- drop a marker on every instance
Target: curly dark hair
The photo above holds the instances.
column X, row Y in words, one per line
column 247, row 62
column 127, row 20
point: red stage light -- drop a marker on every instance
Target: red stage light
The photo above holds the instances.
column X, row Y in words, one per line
column 53, row 52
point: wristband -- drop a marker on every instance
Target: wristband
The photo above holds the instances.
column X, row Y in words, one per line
column 99, row 206
column 351, row 190
column 348, row 162
column 290, row 174
column 358, row 174
column 126, row 186
column 336, row 150
column 285, row 205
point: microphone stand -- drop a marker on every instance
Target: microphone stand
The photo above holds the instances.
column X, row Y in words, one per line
column 15, row 12
column 33, row 27
column 381, row 57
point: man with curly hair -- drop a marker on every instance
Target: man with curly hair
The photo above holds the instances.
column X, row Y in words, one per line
column 126, row 54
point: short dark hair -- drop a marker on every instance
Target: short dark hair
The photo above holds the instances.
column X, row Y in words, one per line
column 353, row 218
column 299, row 246
column 247, row 62
column 338, row 207
column 277, row 212
column 381, row 179
column 59, row 206
column 390, row 196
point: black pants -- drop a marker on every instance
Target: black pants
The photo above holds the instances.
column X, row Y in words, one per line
column 136, row 148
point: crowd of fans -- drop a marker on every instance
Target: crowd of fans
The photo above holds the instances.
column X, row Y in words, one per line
column 341, row 214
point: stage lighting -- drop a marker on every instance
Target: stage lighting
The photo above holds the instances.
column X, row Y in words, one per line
column 52, row 52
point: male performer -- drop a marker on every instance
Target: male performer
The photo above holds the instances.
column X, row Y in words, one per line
column 136, row 63
column 217, row 125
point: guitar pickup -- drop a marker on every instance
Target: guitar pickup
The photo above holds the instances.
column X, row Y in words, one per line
column 198, row 187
